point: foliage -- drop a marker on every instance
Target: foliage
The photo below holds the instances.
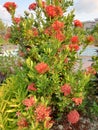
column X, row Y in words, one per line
column 2, row 32
column 95, row 33
column 2, row 26
column 9, row 64
column 11, row 98
column 91, row 100
column 48, row 85
column 1, row 40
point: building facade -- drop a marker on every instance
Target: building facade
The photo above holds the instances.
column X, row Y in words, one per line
column 90, row 24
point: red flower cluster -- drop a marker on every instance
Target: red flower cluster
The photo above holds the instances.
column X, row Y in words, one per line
column 90, row 38
column 75, row 39
column 35, row 32
column 55, row 30
column 78, row 23
column 57, row 25
column 90, row 70
column 41, row 68
column 50, row 11
column 43, row 4
column 8, row 34
column 10, row 6
column 74, row 47
column 16, row 20
column 59, row 11
column 22, row 123
column 18, row 113
column 29, row 102
column 42, row 112
column 32, row 87
column 53, row 11
column 77, row 101
column 60, row 36
column 21, row 54
column 66, row 89
column 32, row 6
column 48, row 31
column 73, row 116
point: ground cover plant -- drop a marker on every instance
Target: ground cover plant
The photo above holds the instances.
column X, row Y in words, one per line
column 47, row 87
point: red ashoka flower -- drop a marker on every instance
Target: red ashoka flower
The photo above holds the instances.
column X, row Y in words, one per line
column 16, row 20
column 22, row 123
column 78, row 23
column 77, row 101
column 57, row 25
column 90, row 38
column 7, row 36
column 28, row 102
column 42, row 112
column 74, row 47
column 32, row 6
column 73, row 116
column 50, row 11
column 66, row 89
column 53, row 11
column 35, row 32
column 48, row 31
column 42, row 67
column 32, row 87
column 43, row 4
column 75, row 39
column 59, row 11
column 90, row 70
column 21, row 54
column 18, row 113
column 60, row 36
column 10, row 6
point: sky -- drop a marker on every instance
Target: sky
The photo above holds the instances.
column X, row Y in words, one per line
column 85, row 10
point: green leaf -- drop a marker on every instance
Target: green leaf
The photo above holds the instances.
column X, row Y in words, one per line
column 29, row 63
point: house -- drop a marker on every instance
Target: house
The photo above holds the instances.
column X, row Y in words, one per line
column 90, row 24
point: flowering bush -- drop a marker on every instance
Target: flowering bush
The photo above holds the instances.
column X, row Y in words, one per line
column 73, row 116
column 47, row 86
column 10, row 7
column 92, row 94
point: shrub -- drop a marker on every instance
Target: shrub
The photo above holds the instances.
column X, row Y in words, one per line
column 48, row 85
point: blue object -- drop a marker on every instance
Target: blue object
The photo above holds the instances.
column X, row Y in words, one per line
column 90, row 51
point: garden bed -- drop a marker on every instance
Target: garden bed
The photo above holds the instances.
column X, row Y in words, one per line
column 84, row 124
